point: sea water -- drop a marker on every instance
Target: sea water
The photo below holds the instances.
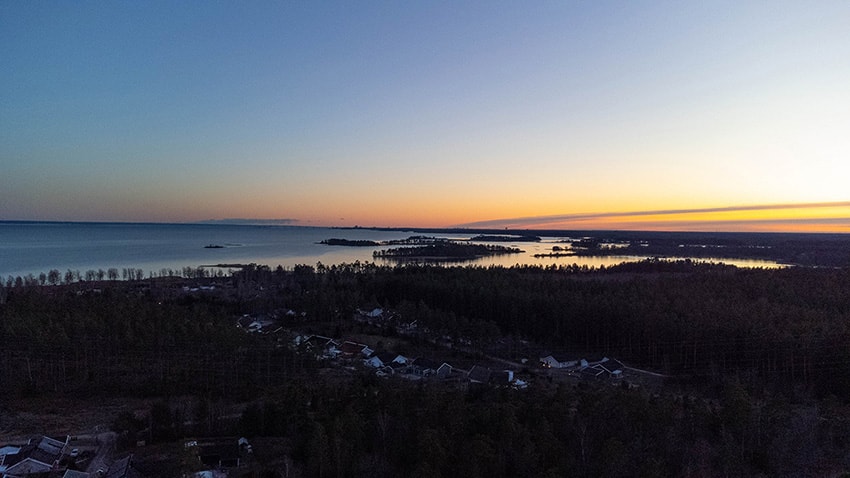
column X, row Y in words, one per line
column 36, row 247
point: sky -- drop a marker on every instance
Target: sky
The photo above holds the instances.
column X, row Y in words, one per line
column 569, row 114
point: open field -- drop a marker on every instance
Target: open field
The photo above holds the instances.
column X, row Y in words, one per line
column 23, row 418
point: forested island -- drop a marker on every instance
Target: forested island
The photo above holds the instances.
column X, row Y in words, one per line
column 446, row 251
column 752, row 368
column 350, row 243
column 412, row 240
column 503, row 238
column 426, row 248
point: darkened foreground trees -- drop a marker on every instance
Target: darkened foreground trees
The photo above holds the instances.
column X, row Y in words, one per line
column 762, row 358
column 777, row 328
column 374, row 428
column 120, row 342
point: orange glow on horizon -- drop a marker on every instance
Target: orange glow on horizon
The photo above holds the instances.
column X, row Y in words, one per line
column 818, row 218
column 471, row 211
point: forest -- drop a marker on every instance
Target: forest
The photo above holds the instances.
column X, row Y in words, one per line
column 445, row 250
column 758, row 367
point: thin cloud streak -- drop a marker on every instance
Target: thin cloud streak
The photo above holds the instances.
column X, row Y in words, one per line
column 544, row 220
column 837, row 225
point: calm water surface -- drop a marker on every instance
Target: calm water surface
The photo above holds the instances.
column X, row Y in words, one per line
column 32, row 248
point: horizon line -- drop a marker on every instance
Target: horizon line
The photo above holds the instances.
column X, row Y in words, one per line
column 685, row 227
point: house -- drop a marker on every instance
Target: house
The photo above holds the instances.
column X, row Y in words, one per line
column 210, row 474
column 321, row 346
column 519, row 384
column 39, row 455
column 220, row 454
column 318, row 342
column 376, row 316
column 593, row 361
column 375, row 313
column 258, row 324
column 608, row 369
column 455, row 375
column 595, row 372
column 21, row 464
column 479, row 374
column 76, row 474
column 122, row 469
column 443, row 371
column 558, row 361
column 396, row 367
column 502, row 378
column 616, row 367
column 245, row 445
column 350, row 349
column 498, row 378
column 423, row 367
column 8, row 450
column 383, row 359
column 603, row 369
column 244, row 322
column 408, row 328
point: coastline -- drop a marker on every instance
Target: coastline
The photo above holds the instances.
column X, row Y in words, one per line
column 35, row 247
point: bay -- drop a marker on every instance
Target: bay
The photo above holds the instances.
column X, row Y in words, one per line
column 36, row 247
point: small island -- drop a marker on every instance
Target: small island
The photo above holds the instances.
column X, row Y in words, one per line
column 410, row 241
column 445, row 251
column 416, row 241
column 497, row 238
column 350, row 242
column 554, row 254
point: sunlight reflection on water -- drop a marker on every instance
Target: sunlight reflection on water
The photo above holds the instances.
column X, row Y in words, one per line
column 33, row 248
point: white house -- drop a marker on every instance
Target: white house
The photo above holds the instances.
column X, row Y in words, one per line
column 552, row 361
column 383, row 359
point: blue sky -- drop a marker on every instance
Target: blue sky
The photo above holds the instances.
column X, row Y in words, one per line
column 421, row 113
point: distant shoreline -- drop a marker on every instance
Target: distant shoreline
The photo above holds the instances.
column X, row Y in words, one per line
column 610, row 233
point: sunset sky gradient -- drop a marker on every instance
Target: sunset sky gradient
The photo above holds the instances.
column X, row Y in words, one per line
column 578, row 115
